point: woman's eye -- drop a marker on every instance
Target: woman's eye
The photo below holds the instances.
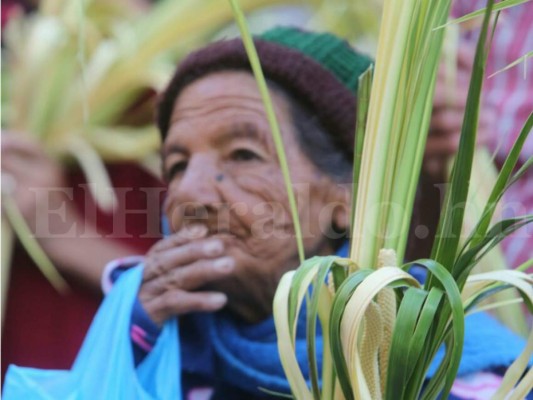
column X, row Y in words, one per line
column 244, row 155
column 176, row 168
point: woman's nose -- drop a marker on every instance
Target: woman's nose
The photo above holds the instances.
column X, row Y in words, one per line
column 198, row 184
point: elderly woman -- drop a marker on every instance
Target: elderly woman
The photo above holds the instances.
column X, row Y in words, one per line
column 230, row 235
column 224, row 180
column 226, row 204
column 230, row 232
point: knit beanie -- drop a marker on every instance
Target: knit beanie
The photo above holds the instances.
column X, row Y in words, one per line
column 319, row 70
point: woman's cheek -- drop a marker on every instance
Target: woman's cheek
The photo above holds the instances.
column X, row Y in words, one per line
column 268, row 220
column 264, row 184
column 264, row 196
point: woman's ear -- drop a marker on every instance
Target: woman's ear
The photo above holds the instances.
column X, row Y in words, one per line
column 341, row 195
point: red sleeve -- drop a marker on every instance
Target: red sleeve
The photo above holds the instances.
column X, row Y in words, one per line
column 44, row 329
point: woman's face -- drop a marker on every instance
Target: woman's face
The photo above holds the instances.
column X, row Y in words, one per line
column 222, row 171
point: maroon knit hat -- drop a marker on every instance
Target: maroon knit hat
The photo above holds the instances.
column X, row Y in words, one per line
column 326, row 88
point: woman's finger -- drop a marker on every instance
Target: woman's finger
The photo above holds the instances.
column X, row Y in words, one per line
column 158, row 264
column 16, row 143
column 446, row 122
column 185, row 235
column 435, row 167
column 449, row 97
column 179, row 302
column 442, row 146
column 191, row 277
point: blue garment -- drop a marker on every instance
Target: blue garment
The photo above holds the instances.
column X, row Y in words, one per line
column 103, row 368
column 239, row 359
column 221, row 351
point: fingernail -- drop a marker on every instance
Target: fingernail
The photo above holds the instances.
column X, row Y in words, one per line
column 213, row 248
column 196, row 231
column 224, row 264
column 218, row 299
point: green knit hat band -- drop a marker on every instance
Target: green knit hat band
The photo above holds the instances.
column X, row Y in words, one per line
column 318, row 70
column 332, row 53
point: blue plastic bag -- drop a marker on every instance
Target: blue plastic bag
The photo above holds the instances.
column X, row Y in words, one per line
column 104, row 368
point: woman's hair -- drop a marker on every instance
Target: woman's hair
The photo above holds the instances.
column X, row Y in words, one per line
column 316, row 143
column 316, row 72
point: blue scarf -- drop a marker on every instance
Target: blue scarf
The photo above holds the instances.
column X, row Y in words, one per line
column 222, row 349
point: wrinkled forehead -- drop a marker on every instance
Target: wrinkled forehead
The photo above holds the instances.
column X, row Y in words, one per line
column 216, row 90
column 229, row 100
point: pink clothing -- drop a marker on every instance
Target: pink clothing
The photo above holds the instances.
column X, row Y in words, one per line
column 479, row 386
column 510, row 95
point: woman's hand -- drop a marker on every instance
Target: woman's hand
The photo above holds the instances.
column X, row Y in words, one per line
column 39, row 182
column 29, row 169
column 447, row 117
column 176, row 269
